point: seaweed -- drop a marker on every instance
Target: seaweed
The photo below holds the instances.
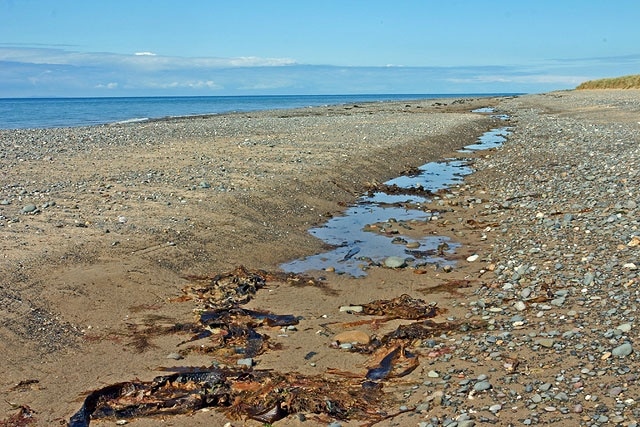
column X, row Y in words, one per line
column 260, row 395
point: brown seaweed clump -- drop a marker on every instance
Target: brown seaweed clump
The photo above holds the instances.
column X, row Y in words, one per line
column 402, row 307
column 260, row 395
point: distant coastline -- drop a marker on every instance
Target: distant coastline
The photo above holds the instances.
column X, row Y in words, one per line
column 26, row 113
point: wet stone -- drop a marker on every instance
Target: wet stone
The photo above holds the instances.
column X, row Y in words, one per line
column 394, row 262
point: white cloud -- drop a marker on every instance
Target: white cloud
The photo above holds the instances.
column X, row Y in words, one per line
column 146, row 60
column 111, row 85
column 522, row 79
column 186, row 84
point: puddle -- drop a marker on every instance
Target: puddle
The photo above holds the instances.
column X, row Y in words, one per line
column 358, row 245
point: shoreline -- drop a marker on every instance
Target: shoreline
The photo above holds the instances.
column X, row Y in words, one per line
column 260, row 219
column 220, row 105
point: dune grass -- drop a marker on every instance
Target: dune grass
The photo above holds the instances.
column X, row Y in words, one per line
column 624, row 82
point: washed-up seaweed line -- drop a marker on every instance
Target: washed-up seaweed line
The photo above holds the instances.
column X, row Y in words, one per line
column 262, row 395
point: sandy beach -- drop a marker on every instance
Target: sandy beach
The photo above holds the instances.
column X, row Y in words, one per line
column 104, row 231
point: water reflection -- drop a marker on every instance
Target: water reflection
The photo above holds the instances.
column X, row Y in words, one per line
column 359, row 245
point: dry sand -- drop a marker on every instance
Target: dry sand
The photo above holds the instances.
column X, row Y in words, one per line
column 125, row 213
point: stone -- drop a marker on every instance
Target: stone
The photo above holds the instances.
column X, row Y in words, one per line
column 29, row 208
column 473, row 258
column 351, row 308
column 482, row 385
column 545, row 342
column 394, row 262
column 614, row 391
column 245, row 362
column 355, row 336
column 520, row 306
column 625, row 327
column 635, row 241
column 622, row 350
column 174, row 356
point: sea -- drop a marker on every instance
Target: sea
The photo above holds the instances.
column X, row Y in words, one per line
column 25, row 113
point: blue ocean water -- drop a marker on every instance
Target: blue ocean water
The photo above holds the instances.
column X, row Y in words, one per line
column 20, row 113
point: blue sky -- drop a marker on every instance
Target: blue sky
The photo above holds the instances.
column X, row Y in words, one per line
column 242, row 47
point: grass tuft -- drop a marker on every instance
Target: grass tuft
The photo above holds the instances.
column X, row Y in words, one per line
column 624, row 82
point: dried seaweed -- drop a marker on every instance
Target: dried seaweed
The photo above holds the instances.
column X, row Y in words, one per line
column 235, row 329
column 237, row 287
column 172, row 394
column 266, row 396
column 23, row 417
column 402, row 307
column 225, row 290
column 391, row 363
column 261, row 395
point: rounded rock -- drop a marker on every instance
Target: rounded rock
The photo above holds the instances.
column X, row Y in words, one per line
column 394, row 262
column 482, row 386
column 622, row 350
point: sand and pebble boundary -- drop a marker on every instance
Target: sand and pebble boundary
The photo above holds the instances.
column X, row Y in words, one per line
column 100, row 225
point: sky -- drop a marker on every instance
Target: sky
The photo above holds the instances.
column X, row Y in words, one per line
column 253, row 47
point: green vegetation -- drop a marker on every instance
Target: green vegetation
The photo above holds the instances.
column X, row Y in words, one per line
column 624, row 82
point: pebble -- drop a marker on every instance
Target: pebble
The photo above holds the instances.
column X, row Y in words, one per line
column 473, row 258
column 174, row 356
column 545, row 342
column 245, row 362
column 622, row 350
column 29, row 208
column 482, row 386
column 351, row 308
column 624, row 327
column 395, row 262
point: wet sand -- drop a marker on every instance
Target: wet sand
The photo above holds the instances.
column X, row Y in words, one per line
column 124, row 214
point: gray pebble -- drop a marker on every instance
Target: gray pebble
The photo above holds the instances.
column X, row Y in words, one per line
column 29, row 208
column 622, row 350
column 394, row 262
column 482, row 386
column 245, row 362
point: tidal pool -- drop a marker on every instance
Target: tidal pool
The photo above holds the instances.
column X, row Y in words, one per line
column 358, row 246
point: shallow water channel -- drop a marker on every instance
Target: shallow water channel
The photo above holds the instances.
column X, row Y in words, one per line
column 370, row 231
